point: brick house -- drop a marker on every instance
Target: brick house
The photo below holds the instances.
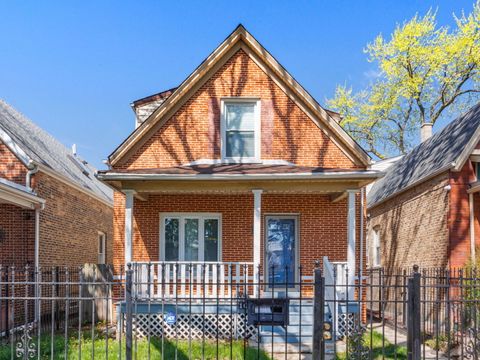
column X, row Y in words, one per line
column 53, row 210
column 238, row 164
column 426, row 209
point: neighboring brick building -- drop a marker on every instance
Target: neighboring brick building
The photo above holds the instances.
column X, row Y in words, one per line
column 426, row 209
column 53, row 210
column 239, row 163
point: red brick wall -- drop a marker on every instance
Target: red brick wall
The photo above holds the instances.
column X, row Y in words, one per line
column 323, row 224
column 17, row 236
column 193, row 132
column 10, row 167
column 414, row 226
column 69, row 224
column 459, row 215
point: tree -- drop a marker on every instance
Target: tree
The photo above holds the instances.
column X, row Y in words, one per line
column 425, row 72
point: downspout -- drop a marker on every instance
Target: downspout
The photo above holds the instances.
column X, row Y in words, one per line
column 360, row 272
column 472, row 227
column 36, row 265
column 32, row 169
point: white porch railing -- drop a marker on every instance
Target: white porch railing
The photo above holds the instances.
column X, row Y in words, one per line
column 177, row 280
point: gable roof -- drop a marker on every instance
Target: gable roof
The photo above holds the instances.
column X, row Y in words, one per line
column 240, row 38
column 446, row 150
column 34, row 146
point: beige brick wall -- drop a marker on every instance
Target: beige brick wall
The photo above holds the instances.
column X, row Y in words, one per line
column 69, row 224
column 413, row 226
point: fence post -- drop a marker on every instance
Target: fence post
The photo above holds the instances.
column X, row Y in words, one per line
column 128, row 313
column 413, row 316
column 318, row 351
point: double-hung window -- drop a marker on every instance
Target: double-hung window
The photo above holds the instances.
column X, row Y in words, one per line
column 376, row 260
column 241, row 130
column 190, row 237
column 101, row 247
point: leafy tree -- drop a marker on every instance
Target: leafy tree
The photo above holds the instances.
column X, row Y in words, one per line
column 425, row 71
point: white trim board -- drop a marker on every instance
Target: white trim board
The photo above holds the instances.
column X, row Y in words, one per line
column 201, row 216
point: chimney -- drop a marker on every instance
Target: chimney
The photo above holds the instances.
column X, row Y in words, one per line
column 426, row 131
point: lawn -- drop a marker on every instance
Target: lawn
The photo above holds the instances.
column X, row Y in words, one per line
column 183, row 350
column 379, row 350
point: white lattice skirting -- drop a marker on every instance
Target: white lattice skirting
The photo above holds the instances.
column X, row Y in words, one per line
column 194, row 326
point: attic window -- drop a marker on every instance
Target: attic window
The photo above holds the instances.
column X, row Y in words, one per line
column 240, row 130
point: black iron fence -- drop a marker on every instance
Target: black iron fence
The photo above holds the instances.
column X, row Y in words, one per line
column 231, row 311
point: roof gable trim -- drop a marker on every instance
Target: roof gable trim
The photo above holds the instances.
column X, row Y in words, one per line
column 15, row 148
column 240, row 34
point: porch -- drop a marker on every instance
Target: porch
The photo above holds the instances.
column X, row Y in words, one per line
column 240, row 214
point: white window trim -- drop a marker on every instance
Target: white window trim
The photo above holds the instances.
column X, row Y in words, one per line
column 257, row 130
column 181, row 242
column 104, row 246
column 376, row 243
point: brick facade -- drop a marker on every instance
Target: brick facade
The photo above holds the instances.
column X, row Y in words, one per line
column 17, row 236
column 413, row 226
column 322, row 224
column 193, row 132
column 69, row 224
column 429, row 225
column 10, row 167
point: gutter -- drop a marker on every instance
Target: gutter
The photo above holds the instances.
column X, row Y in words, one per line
column 281, row 176
column 32, row 170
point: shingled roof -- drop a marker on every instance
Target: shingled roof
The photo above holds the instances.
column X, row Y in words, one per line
column 446, row 150
column 36, row 145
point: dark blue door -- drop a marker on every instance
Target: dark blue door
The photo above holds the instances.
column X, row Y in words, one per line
column 281, row 251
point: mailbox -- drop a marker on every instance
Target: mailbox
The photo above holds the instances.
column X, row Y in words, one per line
column 267, row 312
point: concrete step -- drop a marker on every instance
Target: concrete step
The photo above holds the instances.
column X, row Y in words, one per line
column 305, row 330
column 295, row 320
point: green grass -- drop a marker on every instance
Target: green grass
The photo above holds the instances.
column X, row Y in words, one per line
column 379, row 350
column 142, row 348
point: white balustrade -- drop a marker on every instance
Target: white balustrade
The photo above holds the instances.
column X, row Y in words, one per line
column 177, row 280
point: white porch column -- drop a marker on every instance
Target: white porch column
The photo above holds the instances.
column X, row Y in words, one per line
column 257, row 233
column 351, row 232
column 128, row 224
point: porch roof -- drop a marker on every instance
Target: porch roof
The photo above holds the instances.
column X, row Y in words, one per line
column 239, row 178
column 238, row 172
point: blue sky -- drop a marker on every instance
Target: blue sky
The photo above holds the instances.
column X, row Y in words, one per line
column 74, row 67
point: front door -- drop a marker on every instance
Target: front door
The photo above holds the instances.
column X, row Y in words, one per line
column 281, row 251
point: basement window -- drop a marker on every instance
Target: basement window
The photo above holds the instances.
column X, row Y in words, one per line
column 240, row 130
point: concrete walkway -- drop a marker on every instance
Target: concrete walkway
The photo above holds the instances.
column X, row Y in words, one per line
column 401, row 340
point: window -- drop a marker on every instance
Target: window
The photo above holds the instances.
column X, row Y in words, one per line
column 101, row 247
column 376, row 260
column 241, row 130
column 190, row 237
column 477, row 170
